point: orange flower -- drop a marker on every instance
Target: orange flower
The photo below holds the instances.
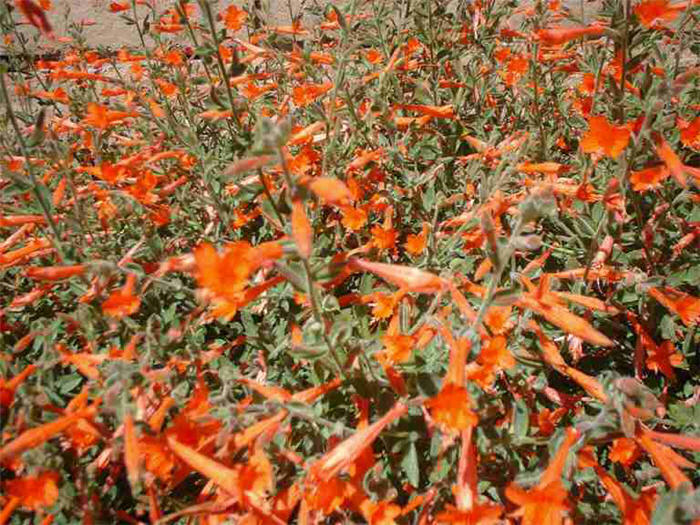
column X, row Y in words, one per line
column 329, row 496
column 35, row 15
column 57, row 95
column 415, row 243
column 398, row 347
column 547, row 503
column 383, row 238
column 690, row 133
column 405, row 277
column 624, row 451
column 8, row 387
column 234, row 18
column 158, row 459
column 662, row 358
column 229, row 272
column 547, row 419
column 497, row 354
column 663, row 457
column 479, row 514
column 548, row 168
column 34, row 492
column 447, row 111
column 36, row 436
column 116, row 7
column 672, row 161
column 649, row 178
column 301, row 230
column 331, row 190
column 604, row 138
column 654, row 14
column 54, row 273
column 685, row 306
column 132, row 453
column 305, row 94
column 564, row 319
column 635, row 510
column 380, row 512
column 169, row 89
column 354, row 218
column 223, row 476
column 561, row 35
column 451, row 408
column 224, row 278
column 373, row 56
column 346, row 452
column 384, row 305
column 101, row 117
column 122, row 302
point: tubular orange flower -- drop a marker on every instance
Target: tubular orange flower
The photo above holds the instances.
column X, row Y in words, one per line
column 122, row 302
column 345, row 453
column 8, row 387
column 405, row 277
column 415, row 243
column 132, row 454
column 34, row 492
column 562, row 35
column 116, row 7
column 685, row 306
column 603, row 138
column 548, row 168
column 301, row 229
column 234, row 18
column 36, row 436
column 654, row 14
column 447, row 111
column 32, row 247
column 306, row 135
column 659, row 454
column 635, row 510
column 308, row 93
column 662, row 358
column 672, row 161
column 624, row 451
column 331, row 190
column 223, row 476
column 561, row 317
column 101, row 117
column 548, row 501
column 451, row 408
column 35, row 15
column 398, row 347
column 690, row 133
column 649, row 178
column 54, row 273
column 354, row 218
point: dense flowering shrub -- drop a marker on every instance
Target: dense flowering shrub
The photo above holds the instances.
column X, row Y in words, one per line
column 395, row 262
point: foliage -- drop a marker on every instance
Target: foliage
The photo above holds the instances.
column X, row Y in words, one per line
column 397, row 262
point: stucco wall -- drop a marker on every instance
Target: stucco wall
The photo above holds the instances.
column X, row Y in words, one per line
column 104, row 28
column 109, row 29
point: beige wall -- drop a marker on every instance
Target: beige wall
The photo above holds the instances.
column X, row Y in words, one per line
column 109, row 29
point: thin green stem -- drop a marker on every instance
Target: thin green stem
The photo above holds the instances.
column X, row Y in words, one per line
column 224, row 74
column 45, row 206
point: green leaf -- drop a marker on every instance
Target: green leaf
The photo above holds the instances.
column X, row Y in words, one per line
column 69, row 383
column 521, row 419
column 409, row 464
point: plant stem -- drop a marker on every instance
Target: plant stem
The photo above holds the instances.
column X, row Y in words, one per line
column 623, row 74
column 311, row 285
column 224, row 75
column 45, row 206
